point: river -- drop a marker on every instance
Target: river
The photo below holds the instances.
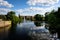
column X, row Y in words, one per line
column 28, row 30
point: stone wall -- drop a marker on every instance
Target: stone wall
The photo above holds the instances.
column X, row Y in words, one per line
column 5, row 23
column 0, row 19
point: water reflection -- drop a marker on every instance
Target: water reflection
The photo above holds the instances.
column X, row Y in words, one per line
column 39, row 32
column 37, row 23
column 28, row 30
column 4, row 32
column 53, row 34
column 12, row 32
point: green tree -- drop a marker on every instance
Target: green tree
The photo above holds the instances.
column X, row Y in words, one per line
column 38, row 17
column 37, row 24
column 11, row 16
column 3, row 17
column 46, row 16
column 53, row 19
column 20, row 18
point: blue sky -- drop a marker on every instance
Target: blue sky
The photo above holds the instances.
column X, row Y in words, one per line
column 28, row 7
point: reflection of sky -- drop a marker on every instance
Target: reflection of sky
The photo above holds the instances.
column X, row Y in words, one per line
column 27, row 26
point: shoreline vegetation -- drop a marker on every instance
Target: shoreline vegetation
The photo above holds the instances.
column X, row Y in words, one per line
column 52, row 19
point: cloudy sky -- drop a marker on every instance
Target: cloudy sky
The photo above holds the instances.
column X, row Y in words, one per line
column 28, row 7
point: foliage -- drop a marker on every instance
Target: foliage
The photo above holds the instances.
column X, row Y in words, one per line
column 37, row 23
column 38, row 17
column 3, row 17
column 15, row 19
column 11, row 16
column 53, row 18
column 20, row 19
column 46, row 16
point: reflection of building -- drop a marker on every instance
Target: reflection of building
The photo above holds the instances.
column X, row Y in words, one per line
column 28, row 17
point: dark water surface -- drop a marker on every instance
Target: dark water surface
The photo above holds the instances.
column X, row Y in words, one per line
column 24, row 31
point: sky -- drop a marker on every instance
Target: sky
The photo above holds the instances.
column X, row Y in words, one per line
column 28, row 7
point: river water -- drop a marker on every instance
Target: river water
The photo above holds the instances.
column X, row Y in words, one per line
column 28, row 30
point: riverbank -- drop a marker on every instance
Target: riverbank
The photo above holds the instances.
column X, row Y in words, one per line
column 4, row 23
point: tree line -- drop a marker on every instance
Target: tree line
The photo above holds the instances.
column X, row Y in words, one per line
column 11, row 16
column 53, row 19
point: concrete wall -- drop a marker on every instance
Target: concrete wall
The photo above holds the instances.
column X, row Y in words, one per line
column 5, row 23
column 0, row 19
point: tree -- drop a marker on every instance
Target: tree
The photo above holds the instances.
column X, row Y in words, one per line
column 3, row 17
column 37, row 23
column 11, row 16
column 53, row 19
column 20, row 18
column 38, row 17
column 46, row 16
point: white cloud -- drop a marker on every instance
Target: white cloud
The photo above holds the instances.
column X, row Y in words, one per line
column 4, row 11
column 35, row 10
column 5, row 3
column 31, row 11
column 42, row 2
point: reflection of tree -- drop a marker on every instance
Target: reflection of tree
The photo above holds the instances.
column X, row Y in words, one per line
column 12, row 32
column 37, row 23
column 13, row 28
